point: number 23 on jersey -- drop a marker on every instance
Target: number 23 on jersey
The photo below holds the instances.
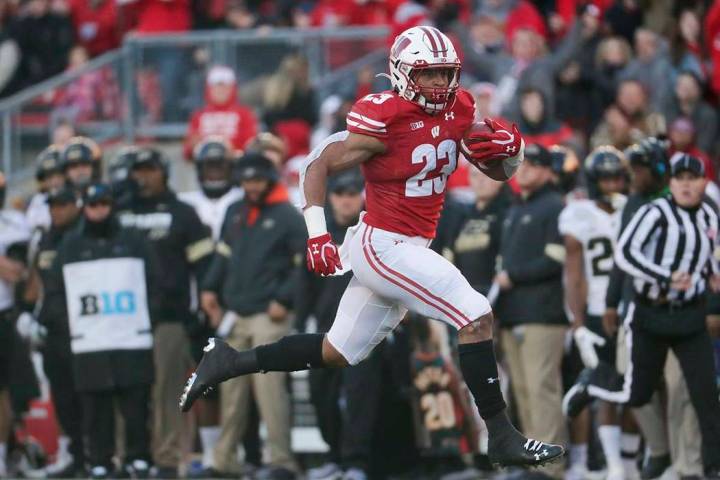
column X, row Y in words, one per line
column 429, row 180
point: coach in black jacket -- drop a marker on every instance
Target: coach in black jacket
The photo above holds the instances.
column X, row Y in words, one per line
column 183, row 248
column 107, row 276
column 254, row 275
column 476, row 244
column 530, row 305
column 64, row 205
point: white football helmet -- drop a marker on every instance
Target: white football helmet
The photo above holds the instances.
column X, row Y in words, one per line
column 420, row 48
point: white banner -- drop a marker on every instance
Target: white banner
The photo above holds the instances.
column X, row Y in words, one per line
column 107, row 305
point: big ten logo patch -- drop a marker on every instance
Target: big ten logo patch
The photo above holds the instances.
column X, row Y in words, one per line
column 108, row 303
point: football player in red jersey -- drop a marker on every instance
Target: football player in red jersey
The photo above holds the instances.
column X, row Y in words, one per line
column 406, row 141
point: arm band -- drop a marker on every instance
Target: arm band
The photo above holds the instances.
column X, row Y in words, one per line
column 315, row 221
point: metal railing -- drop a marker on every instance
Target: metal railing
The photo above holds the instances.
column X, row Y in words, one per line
column 149, row 86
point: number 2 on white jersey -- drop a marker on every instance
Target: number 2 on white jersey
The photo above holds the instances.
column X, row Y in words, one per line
column 417, row 185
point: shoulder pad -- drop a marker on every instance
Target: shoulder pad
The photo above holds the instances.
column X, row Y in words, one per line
column 573, row 218
column 465, row 101
column 372, row 114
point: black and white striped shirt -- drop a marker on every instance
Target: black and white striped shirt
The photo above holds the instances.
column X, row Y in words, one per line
column 663, row 238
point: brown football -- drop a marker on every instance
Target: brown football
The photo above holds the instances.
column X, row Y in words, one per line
column 476, row 127
column 494, row 168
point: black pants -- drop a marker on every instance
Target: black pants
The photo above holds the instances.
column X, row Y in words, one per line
column 57, row 362
column 325, row 397
column 653, row 331
column 99, row 422
column 7, row 343
column 361, row 391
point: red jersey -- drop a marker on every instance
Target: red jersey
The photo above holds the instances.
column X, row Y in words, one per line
column 405, row 186
column 96, row 27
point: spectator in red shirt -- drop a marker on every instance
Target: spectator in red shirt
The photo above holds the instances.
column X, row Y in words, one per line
column 514, row 15
column 156, row 17
column 96, row 25
column 162, row 16
column 712, row 43
column 682, row 136
column 222, row 114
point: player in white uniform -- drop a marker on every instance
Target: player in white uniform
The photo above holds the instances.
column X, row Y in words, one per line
column 14, row 232
column 590, row 228
column 214, row 164
column 49, row 175
column 406, row 141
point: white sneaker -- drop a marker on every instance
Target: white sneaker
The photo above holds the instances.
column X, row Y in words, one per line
column 615, row 474
column 355, row 474
column 632, row 473
column 62, row 462
column 328, row 471
column 576, row 471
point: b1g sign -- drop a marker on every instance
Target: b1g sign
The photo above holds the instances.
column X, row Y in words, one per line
column 107, row 305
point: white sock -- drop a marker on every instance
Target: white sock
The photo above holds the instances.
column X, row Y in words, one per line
column 578, row 454
column 610, row 440
column 208, row 438
column 63, row 446
column 630, row 444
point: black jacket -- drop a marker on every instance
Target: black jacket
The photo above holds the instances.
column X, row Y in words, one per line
column 258, row 261
column 53, row 311
column 476, row 245
column 108, row 369
column 183, row 248
column 532, row 252
column 320, row 296
column 45, row 43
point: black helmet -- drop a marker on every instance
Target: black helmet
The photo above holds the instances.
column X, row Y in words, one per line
column 151, row 156
column 566, row 166
column 48, row 162
column 82, row 150
column 603, row 162
column 651, row 152
column 97, row 192
column 256, row 166
column 119, row 171
column 214, row 151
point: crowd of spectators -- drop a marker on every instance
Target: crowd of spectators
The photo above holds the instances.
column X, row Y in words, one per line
column 573, row 75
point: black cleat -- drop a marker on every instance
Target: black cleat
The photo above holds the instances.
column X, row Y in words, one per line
column 577, row 398
column 220, row 362
column 655, row 467
column 514, row 450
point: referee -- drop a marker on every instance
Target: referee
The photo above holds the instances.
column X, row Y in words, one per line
column 668, row 250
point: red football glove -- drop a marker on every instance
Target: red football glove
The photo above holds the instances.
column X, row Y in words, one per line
column 499, row 144
column 323, row 257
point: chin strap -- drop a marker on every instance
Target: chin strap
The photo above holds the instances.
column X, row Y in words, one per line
column 431, row 108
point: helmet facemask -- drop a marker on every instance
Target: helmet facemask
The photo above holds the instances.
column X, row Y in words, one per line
column 215, row 177
column 435, row 99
